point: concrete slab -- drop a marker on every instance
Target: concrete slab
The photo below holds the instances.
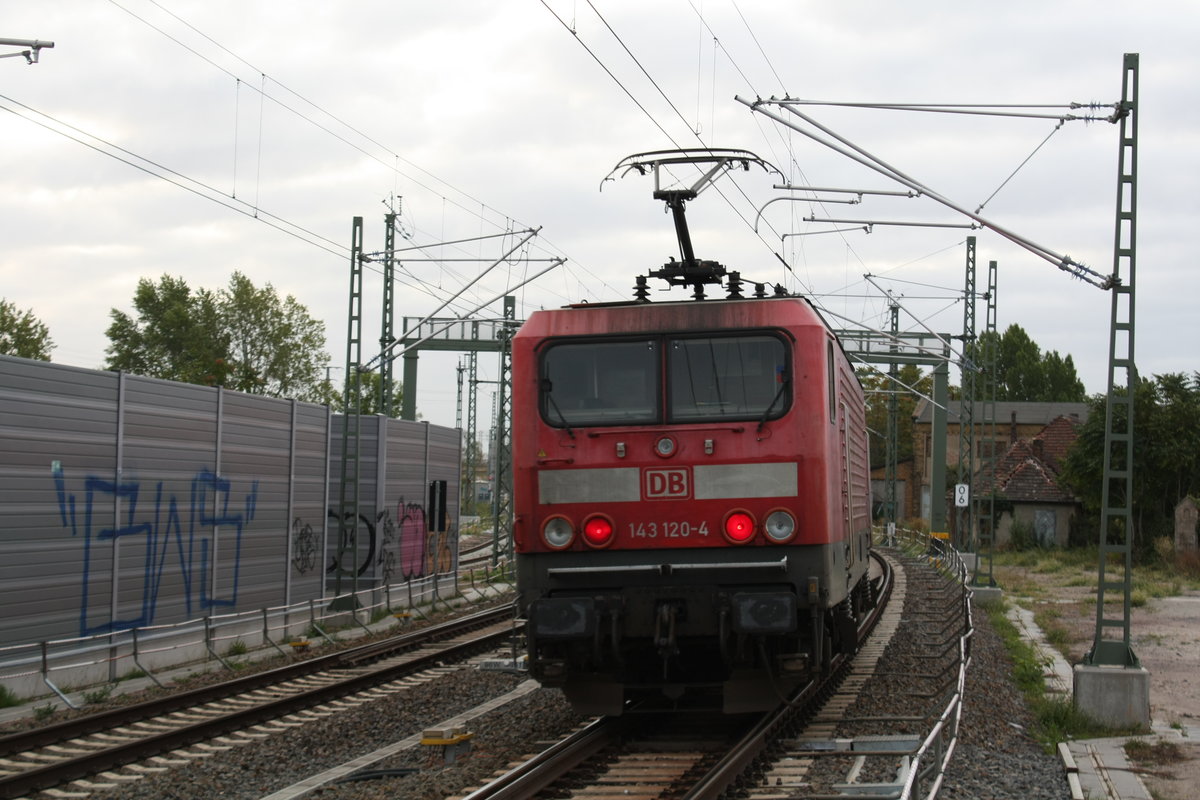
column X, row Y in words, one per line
column 1118, row 697
column 1105, row 772
column 987, row 594
column 1058, row 674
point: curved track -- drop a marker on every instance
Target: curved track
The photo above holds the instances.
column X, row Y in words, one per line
column 679, row 755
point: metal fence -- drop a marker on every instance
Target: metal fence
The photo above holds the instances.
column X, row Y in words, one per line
column 60, row 666
column 927, row 767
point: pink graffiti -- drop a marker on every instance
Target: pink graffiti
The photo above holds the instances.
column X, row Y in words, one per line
column 411, row 525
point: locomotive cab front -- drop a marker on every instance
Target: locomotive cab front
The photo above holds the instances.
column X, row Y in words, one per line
column 691, row 496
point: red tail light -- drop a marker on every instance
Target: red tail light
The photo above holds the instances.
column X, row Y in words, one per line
column 598, row 531
column 739, row 527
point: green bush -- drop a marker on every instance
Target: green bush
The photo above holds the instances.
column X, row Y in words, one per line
column 96, row 696
column 8, row 698
column 1056, row 719
column 1022, row 536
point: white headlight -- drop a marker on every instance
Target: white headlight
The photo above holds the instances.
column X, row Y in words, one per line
column 779, row 526
column 558, row 532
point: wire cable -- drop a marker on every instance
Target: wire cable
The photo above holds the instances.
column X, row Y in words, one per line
column 389, row 161
column 171, row 176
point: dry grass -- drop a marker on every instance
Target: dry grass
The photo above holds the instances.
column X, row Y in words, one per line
column 1158, row 752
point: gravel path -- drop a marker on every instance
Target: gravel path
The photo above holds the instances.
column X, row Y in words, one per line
column 996, row 758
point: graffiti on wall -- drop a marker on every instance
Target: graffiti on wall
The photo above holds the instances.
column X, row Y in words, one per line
column 175, row 534
column 304, row 546
column 389, row 541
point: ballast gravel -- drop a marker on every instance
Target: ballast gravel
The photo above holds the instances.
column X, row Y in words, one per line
column 995, row 756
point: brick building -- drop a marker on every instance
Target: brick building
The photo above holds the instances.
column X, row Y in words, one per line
column 1026, row 475
column 1014, row 421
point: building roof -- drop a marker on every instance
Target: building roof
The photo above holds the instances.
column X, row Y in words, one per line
column 1057, row 438
column 1028, row 472
column 1026, row 413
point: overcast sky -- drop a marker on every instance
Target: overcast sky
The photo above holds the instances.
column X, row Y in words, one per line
column 197, row 138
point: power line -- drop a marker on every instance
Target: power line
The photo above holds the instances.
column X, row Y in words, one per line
column 174, row 177
column 392, row 158
column 609, row 72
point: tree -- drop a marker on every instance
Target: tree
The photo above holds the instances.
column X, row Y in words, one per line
column 178, row 335
column 1023, row 372
column 276, row 348
column 368, row 393
column 1166, row 460
column 1062, row 385
column 22, row 334
column 878, row 387
column 241, row 337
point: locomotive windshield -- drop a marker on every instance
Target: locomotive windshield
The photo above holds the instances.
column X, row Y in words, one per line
column 601, row 383
column 619, row 382
column 728, row 377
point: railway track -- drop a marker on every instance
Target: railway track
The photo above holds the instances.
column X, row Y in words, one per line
column 683, row 755
column 247, row 707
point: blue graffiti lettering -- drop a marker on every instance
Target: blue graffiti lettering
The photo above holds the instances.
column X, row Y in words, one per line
column 194, row 528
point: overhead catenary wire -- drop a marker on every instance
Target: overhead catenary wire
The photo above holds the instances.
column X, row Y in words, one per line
column 575, row 33
column 911, row 389
column 390, row 159
column 529, row 234
column 946, row 344
column 265, row 75
column 174, row 177
column 861, row 156
column 185, row 182
column 190, row 184
column 889, row 338
column 641, row 106
column 388, row 351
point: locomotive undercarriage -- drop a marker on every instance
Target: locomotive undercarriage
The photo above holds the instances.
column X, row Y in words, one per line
column 749, row 642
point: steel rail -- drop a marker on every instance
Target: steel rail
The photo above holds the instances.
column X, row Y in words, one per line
column 533, row 776
column 53, row 774
column 104, row 720
column 734, row 764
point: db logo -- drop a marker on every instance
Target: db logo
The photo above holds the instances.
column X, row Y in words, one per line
column 659, row 483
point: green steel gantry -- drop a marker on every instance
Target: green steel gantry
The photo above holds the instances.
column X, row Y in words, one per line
column 908, row 347
column 473, row 337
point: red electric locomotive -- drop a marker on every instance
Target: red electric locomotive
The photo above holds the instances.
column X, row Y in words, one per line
column 691, row 490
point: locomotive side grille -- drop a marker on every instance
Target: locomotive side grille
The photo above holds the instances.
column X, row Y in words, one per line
column 727, row 481
column 612, row 485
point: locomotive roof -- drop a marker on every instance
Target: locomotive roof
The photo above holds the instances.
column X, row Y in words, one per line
column 639, row 316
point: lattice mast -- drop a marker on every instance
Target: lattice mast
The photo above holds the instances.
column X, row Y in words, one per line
column 1116, row 503
column 348, row 487
column 892, row 449
column 985, row 506
column 965, row 517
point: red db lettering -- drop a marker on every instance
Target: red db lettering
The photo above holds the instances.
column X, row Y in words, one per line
column 664, row 483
